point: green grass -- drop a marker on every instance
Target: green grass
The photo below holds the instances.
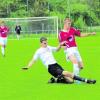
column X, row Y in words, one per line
column 16, row 84
column 33, row 35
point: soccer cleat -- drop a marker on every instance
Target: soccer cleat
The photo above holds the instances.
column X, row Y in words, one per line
column 91, row 81
column 25, row 68
column 52, row 80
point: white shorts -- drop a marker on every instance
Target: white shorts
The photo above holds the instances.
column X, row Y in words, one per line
column 73, row 51
column 3, row 41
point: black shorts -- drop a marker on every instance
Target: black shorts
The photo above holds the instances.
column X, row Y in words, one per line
column 55, row 70
column 18, row 32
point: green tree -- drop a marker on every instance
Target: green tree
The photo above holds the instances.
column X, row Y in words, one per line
column 89, row 10
column 39, row 8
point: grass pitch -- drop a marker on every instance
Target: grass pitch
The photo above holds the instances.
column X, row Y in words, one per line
column 16, row 84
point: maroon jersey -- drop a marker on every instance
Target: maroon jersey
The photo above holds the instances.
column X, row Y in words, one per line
column 69, row 37
column 3, row 31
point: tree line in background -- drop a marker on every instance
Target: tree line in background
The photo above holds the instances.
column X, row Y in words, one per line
column 85, row 11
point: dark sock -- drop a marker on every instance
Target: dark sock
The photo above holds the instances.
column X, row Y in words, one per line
column 79, row 78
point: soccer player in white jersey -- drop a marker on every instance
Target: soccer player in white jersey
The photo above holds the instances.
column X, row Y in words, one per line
column 68, row 34
column 45, row 54
column 3, row 37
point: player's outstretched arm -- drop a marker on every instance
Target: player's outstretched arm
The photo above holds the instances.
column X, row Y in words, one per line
column 60, row 45
column 29, row 64
column 88, row 34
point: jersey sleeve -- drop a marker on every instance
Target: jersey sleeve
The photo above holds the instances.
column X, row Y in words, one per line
column 77, row 32
column 7, row 29
column 36, row 55
column 53, row 49
column 59, row 37
column 20, row 28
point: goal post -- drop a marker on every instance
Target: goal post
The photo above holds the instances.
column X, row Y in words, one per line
column 34, row 26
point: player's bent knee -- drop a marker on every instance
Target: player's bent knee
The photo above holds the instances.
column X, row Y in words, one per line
column 66, row 73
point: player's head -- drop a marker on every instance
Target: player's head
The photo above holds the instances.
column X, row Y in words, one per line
column 67, row 22
column 2, row 22
column 43, row 41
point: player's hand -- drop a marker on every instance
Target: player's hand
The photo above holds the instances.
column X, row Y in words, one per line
column 25, row 68
column 63, row 43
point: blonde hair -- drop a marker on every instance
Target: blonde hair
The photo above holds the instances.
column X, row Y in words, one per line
column 1, row 22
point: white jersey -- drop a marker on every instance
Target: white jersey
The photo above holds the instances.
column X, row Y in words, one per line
column 45, row 54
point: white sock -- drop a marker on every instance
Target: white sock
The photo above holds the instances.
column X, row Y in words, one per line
column 18, row 37
column 76, row 69
column 3, row 51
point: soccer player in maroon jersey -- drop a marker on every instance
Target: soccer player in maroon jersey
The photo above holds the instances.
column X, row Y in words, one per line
column 3, row 37
column 68, row 34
